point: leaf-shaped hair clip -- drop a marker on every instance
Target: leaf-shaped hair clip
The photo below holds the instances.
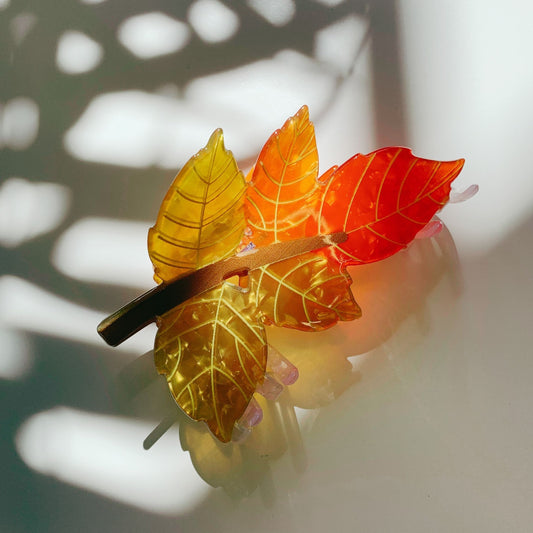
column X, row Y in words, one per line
column 288, row 235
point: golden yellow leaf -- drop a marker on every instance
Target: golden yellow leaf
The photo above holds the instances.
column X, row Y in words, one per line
column 201, row 219
column 212, row 350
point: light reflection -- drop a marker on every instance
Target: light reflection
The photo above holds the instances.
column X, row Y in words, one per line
column 4, row 4
column 212, row 20
column 346, row 35
column 26, row 307
column 139, row 129
column 121, row 128
column 78, row 53
column 468, row 96
column 16, row 356
column 104, row 454
column 20, row 123
column 105, row 251
column 277, row 12
column 153, row 34
column 28, row 209
column 259, row 96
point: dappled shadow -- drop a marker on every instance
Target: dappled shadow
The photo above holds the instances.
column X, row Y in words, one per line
column 78, row 373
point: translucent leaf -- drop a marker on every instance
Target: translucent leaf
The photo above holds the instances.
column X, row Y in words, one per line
column 382, row 200
column 212, row 350
column 308, row 292
column 201, row 219
column 281, row 194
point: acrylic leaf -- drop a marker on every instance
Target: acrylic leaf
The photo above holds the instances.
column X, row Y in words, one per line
column 201, row 219
column 212, row 350
column 280, row 196
column 308, row 292
column 382, row 200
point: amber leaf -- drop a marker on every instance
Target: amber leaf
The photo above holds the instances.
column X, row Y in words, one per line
column 381, row 200
column 201, row 219
column 280, row 196
column 308, row 292
column 213, row 352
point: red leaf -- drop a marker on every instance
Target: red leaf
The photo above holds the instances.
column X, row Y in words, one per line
column 382, row 200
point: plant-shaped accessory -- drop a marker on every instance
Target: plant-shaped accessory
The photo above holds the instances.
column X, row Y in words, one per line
column 233, row 255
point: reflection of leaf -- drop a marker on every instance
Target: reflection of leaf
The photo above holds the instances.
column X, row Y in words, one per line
column 212, row 351
column 280, row 195
column 308, row 292
column 217, row 464
column 382, row 200
column 237, row 467
column 201, row 219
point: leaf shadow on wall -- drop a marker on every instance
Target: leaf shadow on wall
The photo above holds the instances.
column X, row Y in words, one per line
column 122, row 192
column 390, row 292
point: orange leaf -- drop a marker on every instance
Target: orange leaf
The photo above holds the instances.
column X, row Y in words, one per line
column 381, row 200
column 281, row 194
column 308, row 292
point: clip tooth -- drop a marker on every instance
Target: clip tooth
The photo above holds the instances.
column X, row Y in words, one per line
column 432, row 228
column 457, row 197
column 270, row 388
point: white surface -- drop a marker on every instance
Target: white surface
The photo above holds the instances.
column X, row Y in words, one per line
column 415, row 418
column 469, row 79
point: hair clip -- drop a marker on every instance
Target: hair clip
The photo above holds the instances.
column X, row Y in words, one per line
column 234, row 254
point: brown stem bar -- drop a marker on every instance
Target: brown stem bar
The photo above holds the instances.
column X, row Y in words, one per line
column 134, row 316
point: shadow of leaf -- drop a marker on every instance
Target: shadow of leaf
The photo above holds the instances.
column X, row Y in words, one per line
column 391, row 292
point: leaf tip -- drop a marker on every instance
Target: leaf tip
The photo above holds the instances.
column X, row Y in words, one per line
column 324, row 178
column 302, row 113
column 454, row 168
column 216, row 138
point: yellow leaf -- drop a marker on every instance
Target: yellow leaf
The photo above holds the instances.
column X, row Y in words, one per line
column 201, row 219
column 308, row 292
column 212, row 350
